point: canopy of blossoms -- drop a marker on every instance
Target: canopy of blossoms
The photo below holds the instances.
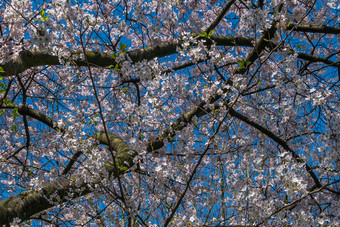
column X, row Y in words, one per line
column 169, row 112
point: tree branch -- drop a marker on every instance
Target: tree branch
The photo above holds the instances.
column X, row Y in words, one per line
column 313, row 58
column 220, row 16
column 278, row 140
column 28, row 59
column 25, row 110
column 314, row 28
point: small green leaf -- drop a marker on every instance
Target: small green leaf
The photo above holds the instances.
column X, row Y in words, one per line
column 265, row 39
column 204, row 34
column 110, row 67
column 15, row 113
column 2, row 91
column 44, row 17
column 117, row 69
column 1, row 71
column 2, row 111
column 123, row 47
column 14, row 128
column 241, row 64
column 180, row 164
column 211, row 33
column 121, row 167
column 125, row 90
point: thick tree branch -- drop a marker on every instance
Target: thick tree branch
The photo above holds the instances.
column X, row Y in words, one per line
column 314, row 28
column 31, row 202
column 313, row 58
column 28, row 59
column 25, row 110
column 124, row 155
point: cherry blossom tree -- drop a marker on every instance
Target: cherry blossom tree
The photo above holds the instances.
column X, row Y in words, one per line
column 170, row 112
